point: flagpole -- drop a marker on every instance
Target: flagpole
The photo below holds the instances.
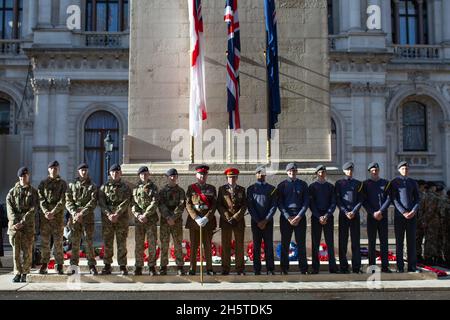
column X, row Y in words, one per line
column 269, row 124
column 201, row 255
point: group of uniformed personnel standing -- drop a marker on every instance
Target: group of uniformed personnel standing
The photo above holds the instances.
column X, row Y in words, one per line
column 292, row 197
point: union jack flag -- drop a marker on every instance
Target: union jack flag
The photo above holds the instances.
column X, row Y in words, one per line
column 197, row 103
column 234, row 58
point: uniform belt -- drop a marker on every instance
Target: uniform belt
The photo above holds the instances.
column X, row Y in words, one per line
column 201, row 207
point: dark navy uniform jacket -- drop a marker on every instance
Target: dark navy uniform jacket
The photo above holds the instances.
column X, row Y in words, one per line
column 376, row 195
column 405, row 195
column 293, row 198
column 323, row 199
column 348, row 195
column 261, row 201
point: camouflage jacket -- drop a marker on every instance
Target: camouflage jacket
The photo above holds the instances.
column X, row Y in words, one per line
column 82, row 194
column 145, row 201
column 432, row 215
column 422, row 205
column 172, row 202
column 52, row 196
column 231, row 204
column 197, row 208
column 115, row 197
column 21, row 205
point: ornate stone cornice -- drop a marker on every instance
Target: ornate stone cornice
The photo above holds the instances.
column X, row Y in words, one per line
column 41, row 86
column 61, row 85
column 368, row 89
column 302, row 4
column 99, row 88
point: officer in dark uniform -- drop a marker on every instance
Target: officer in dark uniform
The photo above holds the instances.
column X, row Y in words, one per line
column 262, row 205
column 322, row 204
column 201, row 204
column 376, row 202
column 349, row 202
column 232, row 206
column 406, row 198
column 293, row 202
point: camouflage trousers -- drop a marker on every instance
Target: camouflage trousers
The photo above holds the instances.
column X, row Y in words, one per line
column 143, row 231
column 55, row 229
column 420, row 234
column 22, row 243
column 120, row 231
column 83, row 231
column 177, row 237
column 433, row 242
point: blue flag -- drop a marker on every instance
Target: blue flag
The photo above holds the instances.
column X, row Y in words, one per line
column 273, row 78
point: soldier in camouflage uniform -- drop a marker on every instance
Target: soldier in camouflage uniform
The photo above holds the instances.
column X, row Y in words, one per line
column 232, row 206
column 22, row 203
column 81, row 200
column 201, row 199
column 145, row 203
column 114, row 199
column 52, row 197
column 423, row 190
column 172, row 202
column 433, row 228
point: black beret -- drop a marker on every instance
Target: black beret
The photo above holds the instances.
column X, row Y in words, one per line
column 203, row 168
column 431, row 184
column 142, row 170
column 53, row 164
column 348, row 165
column 402, row 164
column 22, row 171
column 291, row 166
column 320, row 167
column 115, row 167
column 439, row 188
column 373, row 165
column 421, row 182
column 82, row 166
column 261, row 169
column 172, row 172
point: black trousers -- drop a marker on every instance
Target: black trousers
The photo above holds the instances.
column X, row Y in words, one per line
column 380, row 227
column 347, row 226
column 402, row 226
column 316, row 234
column 267, row 236
column 300, row 238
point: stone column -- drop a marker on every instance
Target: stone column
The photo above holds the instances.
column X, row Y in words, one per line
column 386, row 20
column 377, row 118
column 355, row 15
column 344, row 18
column 41, row 89
column 421, row 22
column 62, row 87
column 360, row 106
column 397, row 21
column 446, row 22
column 45, row 14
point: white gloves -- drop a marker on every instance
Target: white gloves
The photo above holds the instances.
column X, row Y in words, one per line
column 201, row 221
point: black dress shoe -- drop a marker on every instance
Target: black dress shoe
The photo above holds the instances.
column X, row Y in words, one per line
column 284, row 272
column 191, row 272
column 225, row 273
column 138, row 271
column 345, row 271
column 315, row 272
column 180, row 271
column 210, row 272
column 386, row 270
column 43, row 269
column 400, row 270
column 272, row 273
column 258, row 273
column 23, row 278
column 359, row 271
column 304, row 272
column 16, row 278
column 123, row 270
column 152, row 271
column 59, row 269
column 339, row 272
column 163, row 271
column 107, row 269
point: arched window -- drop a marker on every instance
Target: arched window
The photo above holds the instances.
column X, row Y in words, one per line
column 333, row 141
column 10, row 19
column 95, row 130
column 107, row 15
column 414, row 127
column 5, row 111
column 409, row 22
